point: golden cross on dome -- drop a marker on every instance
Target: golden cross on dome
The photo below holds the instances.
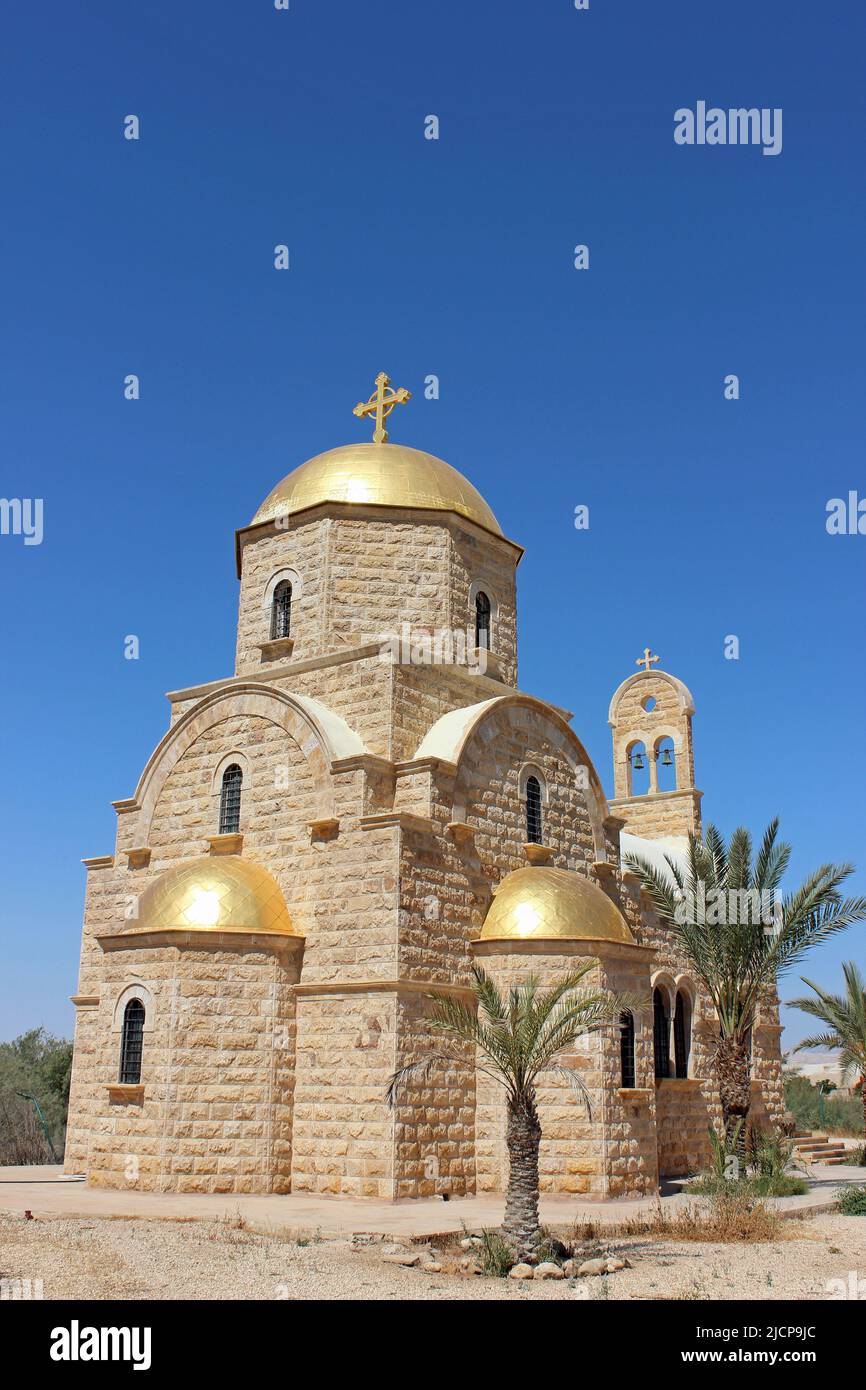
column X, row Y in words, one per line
column 380, row 404
column 646, row 661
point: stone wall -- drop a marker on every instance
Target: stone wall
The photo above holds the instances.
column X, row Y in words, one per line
column 361, row 575
column 343, row 1129
column 683, row 1117
column 214, row 1109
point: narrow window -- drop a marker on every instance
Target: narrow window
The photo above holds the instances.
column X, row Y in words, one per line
column 482, row 621
column 681, row 1042
column 230, row 800
column 661, row 1042
column 281, row 610
column 533, row 811
column 626, row 1051
column 131, row 1041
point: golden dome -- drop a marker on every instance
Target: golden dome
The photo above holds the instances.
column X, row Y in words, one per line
column 540, row 903
column 218, row 894
column 381, row 475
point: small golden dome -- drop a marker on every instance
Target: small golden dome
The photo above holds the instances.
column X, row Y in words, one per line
column 539, row 903
column 222, row 894
column 381, row 475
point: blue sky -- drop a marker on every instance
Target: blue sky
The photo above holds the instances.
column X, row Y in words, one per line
column 452, row 257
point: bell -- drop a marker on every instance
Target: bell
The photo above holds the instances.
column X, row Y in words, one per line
column 637, row 761
column 667, row 760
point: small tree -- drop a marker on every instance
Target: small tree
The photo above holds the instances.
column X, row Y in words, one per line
column 517, row 1037
column 716, row 912
column 845, row 1017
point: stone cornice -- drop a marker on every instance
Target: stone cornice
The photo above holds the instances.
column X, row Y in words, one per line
column 654, row 797
column 559, row 946
column 411, row 765
column 363, row 762
column 200, row 939
column 276, row 672
column 100, row 861
column 372, row 511
column 396, row 986
column 404, row 820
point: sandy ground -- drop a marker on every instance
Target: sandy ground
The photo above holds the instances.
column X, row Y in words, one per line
column 142, row 1259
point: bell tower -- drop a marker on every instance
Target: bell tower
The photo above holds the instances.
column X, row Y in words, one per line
column 653, row 754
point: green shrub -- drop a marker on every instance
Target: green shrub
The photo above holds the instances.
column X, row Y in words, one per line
column 842, row 1114
column 762, row 1173
column 496, row 1254
column 40, row 1065
column 852, row 1200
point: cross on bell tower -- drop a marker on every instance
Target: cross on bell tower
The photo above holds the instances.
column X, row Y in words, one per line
column 380, row 404
column 646, row 661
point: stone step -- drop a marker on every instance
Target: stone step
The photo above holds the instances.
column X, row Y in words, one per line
column 837, row 1158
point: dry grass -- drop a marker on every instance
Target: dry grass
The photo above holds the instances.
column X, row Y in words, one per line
column 729, row 1218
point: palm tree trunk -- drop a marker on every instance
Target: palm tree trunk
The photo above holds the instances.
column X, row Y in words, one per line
column 522, row 1136
column 735, row 1088
column 863, row 1099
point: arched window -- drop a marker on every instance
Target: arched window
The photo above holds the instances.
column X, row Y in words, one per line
column 533, row 811
column 281, row 610
column 230, row 800
column 131, row 1041
column 681, row 1036
column 626, row 1050
column 661, row 1038
column 482, row 621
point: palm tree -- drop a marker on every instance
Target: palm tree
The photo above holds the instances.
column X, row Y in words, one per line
column 724, row 912
column 845, row 1017
column 517, row 1037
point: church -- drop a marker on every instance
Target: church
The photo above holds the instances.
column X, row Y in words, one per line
column 348, row 822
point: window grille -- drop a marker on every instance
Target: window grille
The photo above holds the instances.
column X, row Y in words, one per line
column 131, row 1043
column 482, row 621
column 681, row 1051
column 281, row 610
column 533, row 811
column 230, row 800
column 626, row 1050
column 661, row 1040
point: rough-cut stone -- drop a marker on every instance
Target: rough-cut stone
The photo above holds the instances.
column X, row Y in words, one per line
column 548, row 1270
column 265, row 1064
column 521, row 1271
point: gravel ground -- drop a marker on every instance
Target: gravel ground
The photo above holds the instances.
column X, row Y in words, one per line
column 93, row 1259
